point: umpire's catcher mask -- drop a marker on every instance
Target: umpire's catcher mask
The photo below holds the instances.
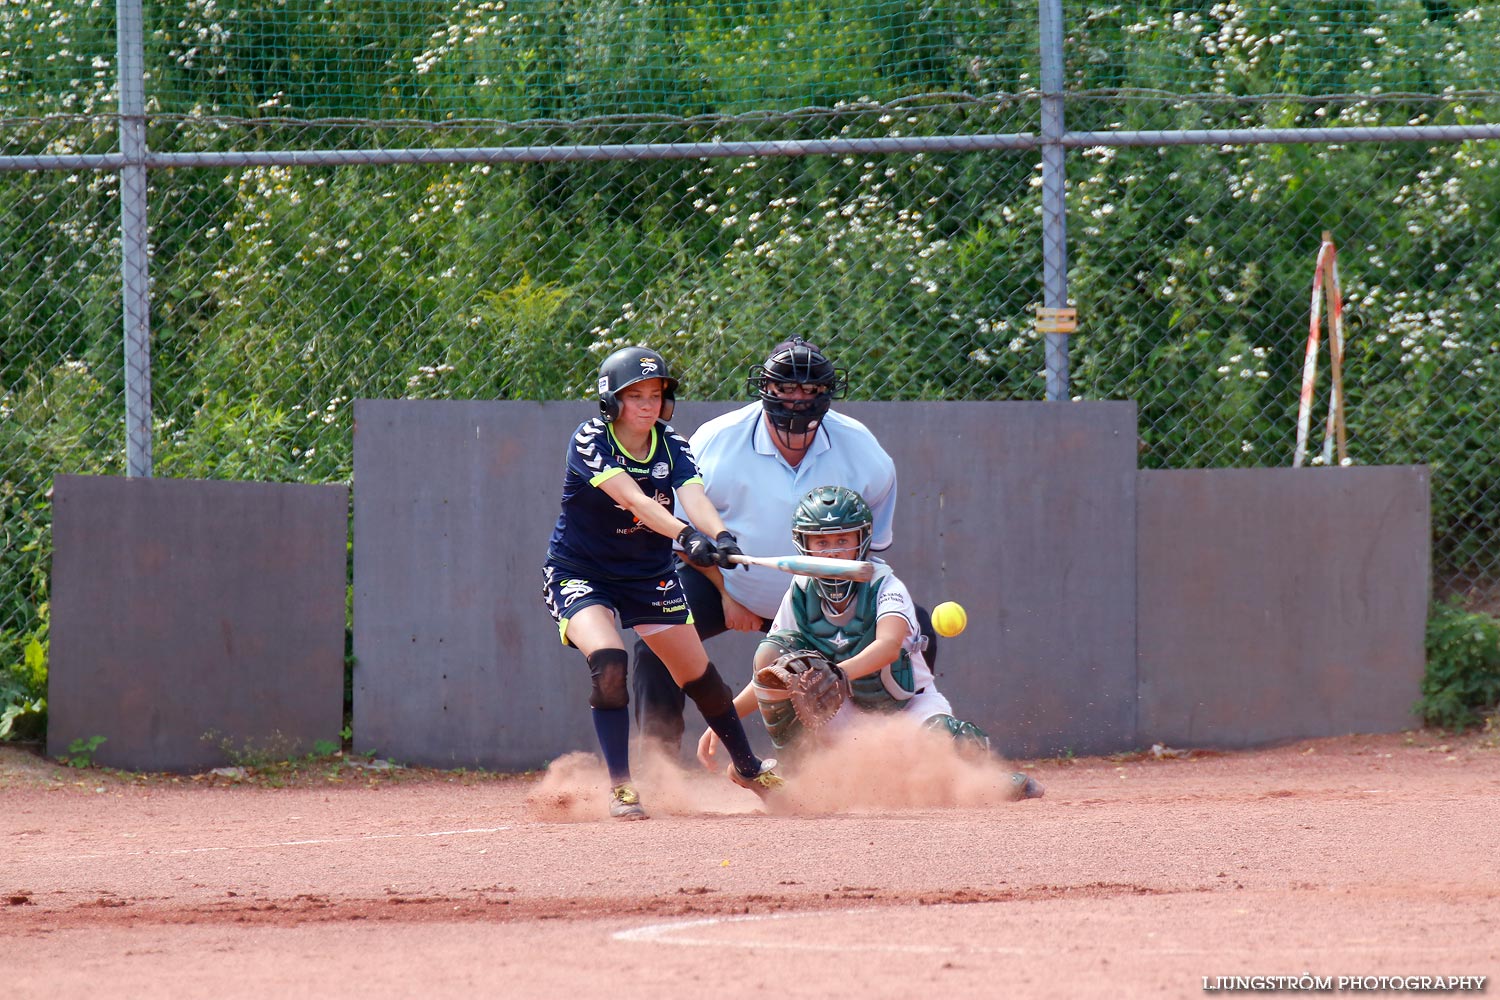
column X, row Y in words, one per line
column 796, row 363
column 628, row 366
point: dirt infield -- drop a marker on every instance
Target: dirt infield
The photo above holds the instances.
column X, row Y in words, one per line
column 1364, row 856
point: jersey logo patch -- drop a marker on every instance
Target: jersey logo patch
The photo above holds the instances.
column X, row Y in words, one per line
column 660, row 470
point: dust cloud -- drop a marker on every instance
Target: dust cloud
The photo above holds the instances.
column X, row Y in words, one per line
column 873, row 764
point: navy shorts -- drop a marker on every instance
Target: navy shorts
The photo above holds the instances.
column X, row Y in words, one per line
column 637, row 602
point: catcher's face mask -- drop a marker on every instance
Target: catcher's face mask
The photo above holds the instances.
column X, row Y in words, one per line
column 851, row 544
column 832, row 517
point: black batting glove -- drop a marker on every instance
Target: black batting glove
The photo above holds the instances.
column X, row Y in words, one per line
column 727, row 545
column 697, row 548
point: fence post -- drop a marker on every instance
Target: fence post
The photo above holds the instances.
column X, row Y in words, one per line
column 1054, row 197
column 135, row 290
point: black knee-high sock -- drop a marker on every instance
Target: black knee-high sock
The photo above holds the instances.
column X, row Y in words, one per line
column 609, row 699
column 714, row 700
column 612, row 726
column 729, row 729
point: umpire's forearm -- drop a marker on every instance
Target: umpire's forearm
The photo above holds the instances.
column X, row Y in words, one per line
column 714, row 574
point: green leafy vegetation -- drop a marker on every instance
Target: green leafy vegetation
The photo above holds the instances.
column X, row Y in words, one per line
column 1462, row 685
column 81, row 751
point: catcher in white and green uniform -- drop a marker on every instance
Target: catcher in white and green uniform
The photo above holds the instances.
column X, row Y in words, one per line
column 837, row 647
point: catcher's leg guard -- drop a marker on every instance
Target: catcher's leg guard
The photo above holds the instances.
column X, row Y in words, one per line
column 966, row 735
column 780, row 717
column 1024, row 786
column 970, row 739
column 607, row 669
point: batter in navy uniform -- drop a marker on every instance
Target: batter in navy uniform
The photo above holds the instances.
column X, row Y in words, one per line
column 611, row 554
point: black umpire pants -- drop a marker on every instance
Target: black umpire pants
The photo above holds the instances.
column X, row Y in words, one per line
column 659, row 702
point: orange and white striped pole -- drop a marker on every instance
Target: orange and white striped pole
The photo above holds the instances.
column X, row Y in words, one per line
column 1325, row 287
column 1334, row 428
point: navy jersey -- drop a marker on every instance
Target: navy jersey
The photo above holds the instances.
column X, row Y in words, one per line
column 597, row 539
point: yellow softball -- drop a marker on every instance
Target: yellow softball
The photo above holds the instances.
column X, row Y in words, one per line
column 949, row 618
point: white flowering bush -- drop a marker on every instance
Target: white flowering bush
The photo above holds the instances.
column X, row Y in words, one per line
column 1193, row 271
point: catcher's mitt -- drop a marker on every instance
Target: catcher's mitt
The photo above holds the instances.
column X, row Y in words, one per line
column 815, row 686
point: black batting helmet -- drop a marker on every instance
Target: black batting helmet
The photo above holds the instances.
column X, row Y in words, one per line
column 628, row 366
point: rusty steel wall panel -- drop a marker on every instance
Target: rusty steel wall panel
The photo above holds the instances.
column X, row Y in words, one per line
column 1021, row 511
column 1279, row 604
column 189, row 617
column 1024, row 513
column 457, row 661
column 1096, row 594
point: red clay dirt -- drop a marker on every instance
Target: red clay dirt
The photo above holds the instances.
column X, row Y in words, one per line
column 1135, row 876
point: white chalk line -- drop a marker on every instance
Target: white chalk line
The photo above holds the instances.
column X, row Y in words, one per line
column 667, row 933
column 279, row 843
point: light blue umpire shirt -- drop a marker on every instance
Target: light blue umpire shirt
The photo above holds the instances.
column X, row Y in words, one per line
column 755, row 491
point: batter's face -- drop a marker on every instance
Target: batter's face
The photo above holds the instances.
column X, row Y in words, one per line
column 834, row 544
column 640, row 404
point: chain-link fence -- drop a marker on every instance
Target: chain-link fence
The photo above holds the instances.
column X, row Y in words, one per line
column 479, row 199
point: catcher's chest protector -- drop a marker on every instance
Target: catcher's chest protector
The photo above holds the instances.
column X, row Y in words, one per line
column 886, row 690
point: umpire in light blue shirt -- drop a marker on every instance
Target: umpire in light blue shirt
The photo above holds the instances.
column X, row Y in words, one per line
column 756, row 463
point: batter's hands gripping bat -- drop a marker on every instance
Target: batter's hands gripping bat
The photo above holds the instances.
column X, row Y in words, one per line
column 831, row 569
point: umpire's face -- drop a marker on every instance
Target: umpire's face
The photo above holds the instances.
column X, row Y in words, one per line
column 801, row 406
column 794, row 392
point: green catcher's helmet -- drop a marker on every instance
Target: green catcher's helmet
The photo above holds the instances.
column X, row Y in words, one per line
column 830, row 510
